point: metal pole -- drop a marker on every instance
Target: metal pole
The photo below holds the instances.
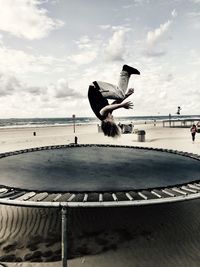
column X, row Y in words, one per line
column 170, row 116
column 74, row 118
column 64, row 236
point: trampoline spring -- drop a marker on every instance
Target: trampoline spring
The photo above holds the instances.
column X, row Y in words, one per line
column 168, row 193
column 41, row 196
column 179, row 191
column 17, row 195
column 3, row 190
column 100, row 197
column 114, row 197
column 129, row 196
column 198, row 185
column 188, row 189
column 26, row 196
column 156, row 194
column 193, row 186
column 7, row 193
column 57, row 197
column 85, row 198
column 142, row 195
column 71, row 197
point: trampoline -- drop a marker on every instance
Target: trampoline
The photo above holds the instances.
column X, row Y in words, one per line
column 87, row 175
column 69, row 176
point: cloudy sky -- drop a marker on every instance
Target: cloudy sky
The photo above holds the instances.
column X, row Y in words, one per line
column 51, row 50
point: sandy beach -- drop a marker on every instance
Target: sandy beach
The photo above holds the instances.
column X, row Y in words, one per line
column 161, row 235
column 156, row 136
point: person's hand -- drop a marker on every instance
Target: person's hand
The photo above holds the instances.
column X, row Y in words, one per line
column 127, row 105
column 130, row 91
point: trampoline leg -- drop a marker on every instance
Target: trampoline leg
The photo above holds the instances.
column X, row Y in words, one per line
column 64, row 237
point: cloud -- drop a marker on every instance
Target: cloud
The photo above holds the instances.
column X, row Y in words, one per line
column 99, row 49
column 195, row 19
column 35, row 90
column 157, row 36
column 8, row 84
column 155, row 52
column 11, row 85
column 194, row 14
column 87, row 51
column 19, row 99
column 138, row 2
column 84, row 57
column 105, row 26
column 54, row 2
column 21, row 62
column 1, row 40
column 153, row 37
column 174, row 13
column 195, row 1
column 84, row 42
column 26, row 19
column 116, row 46
column 62, row 90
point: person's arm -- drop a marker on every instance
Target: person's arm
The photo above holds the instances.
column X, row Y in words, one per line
column 109, row 108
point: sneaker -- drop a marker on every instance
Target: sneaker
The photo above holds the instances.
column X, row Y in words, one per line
column 130, row 70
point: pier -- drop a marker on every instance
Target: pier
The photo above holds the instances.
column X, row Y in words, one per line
column 181, row 123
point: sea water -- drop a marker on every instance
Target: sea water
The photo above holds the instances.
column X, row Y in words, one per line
column 43, row 122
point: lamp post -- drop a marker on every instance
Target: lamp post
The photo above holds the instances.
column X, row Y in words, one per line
column 170, row 116
column 74, row 121
column 74, row 126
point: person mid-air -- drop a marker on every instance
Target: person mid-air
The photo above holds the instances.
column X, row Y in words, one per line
column 98, row 94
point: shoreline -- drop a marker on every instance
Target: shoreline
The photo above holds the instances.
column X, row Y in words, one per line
column 138, row 120
column 43, row 126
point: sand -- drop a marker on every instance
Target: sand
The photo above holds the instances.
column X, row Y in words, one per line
column 156, row 136
column 159, row 235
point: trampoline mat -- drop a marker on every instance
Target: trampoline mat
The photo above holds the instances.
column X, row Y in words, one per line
column 96, row 169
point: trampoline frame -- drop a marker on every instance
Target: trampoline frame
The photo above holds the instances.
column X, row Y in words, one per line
column 66, row 200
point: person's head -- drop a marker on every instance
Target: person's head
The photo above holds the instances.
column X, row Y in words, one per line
column 110, row 128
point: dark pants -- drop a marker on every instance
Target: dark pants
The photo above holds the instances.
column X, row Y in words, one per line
column 193, row 136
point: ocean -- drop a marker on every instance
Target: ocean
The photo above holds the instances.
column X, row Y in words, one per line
column 41, row 122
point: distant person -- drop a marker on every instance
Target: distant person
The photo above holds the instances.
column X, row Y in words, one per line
column 193, row 131
column 98, row 94
column 178, row 111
